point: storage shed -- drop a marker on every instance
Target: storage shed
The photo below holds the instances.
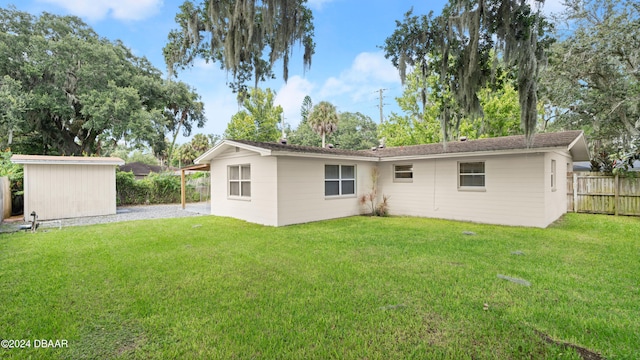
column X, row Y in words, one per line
column 58, row 187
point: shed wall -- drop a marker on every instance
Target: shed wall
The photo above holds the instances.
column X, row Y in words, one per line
column 67, row 191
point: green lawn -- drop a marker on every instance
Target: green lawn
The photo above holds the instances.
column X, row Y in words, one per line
column 354, row 288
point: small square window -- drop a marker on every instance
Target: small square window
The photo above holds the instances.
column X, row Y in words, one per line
column 471, row 174
column 403, row 173
column 239, row 179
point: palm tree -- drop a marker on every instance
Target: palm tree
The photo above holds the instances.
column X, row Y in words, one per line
column 323, row 119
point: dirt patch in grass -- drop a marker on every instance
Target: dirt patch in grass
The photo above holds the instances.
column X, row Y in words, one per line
column 129, row 346
column 586, row 354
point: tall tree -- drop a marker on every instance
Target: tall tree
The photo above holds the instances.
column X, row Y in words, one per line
column 356, row 132
column 13, row 104
column 418, row 123
column 85, row 91
column 420, row 106
column 259, row 119
column 323, row 119
column 593, row 80
column 236, row 33
column 182, row 112
column 457, row 45
column 305, row 109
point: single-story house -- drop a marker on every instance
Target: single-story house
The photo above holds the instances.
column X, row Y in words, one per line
column 496, row 180
column 58, row 187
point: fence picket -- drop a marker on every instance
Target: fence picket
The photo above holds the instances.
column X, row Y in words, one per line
column 602, row 194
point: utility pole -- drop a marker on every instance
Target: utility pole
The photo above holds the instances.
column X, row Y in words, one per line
column 284, row 135
column 381, row 104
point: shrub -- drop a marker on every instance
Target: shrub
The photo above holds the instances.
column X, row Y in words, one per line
column 161, row 188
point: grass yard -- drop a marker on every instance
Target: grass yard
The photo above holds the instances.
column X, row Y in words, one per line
column 354, row 288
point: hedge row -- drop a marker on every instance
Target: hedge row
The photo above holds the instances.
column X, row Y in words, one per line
column 154, row 189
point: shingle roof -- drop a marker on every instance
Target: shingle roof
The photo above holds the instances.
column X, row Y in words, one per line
column 544, row 140
column 305, row 149
column 517, row 142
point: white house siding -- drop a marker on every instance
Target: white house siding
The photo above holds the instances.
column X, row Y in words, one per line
column 301, row 190
column 514, row 191
column 556, row 199
column 262, row 207
column 67, row 191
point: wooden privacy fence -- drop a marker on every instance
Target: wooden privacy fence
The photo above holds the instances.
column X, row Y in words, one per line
column 603, row 194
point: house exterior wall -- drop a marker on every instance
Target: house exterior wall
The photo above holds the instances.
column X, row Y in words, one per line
column 301, row 196
column 262, row 206
column 514, row 192
column 67, row 191
column 556, row 197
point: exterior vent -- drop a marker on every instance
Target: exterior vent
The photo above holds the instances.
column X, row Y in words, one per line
column 463, row 138
column 283, row 141
column 329, row 146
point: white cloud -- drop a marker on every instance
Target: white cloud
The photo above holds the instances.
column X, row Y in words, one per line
column 318, row 4
column 549, row 6
column 290, row 97
column 369, row 71
column 117, row 9
column 375, row 67
column 553, row 6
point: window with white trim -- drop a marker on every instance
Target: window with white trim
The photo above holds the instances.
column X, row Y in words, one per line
column 471, row 174
column 339, row 180
column 403, row 173
column 239, row 177
column 553, row 174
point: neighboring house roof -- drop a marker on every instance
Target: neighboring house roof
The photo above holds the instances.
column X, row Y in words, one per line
column 586, row 166
column 140, row 169
column 572, row 141
column 65, row 160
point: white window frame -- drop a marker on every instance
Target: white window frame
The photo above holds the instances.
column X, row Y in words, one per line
column 340, row 181
column 401, row 179
column 554, row 177
column 240, row 181
column 472, row 187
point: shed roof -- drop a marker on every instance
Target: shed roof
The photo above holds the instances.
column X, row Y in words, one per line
column 572, row 141
column 65, row 160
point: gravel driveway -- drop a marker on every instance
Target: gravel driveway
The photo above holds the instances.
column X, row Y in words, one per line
column 142, row 212
column 124, row 213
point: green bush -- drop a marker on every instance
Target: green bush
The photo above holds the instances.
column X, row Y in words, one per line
column 161, row 188
column 130, row 191
column 14, row 172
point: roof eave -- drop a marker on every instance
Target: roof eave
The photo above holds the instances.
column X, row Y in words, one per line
column 325, row 156
column 68, row 161
column 579, row 149
column 468, row 154
column 221, row 146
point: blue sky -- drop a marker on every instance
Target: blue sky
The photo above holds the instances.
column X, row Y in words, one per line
column 347, row 69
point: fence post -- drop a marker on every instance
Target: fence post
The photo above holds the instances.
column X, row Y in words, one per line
column 616, row 192
column 575, row 192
